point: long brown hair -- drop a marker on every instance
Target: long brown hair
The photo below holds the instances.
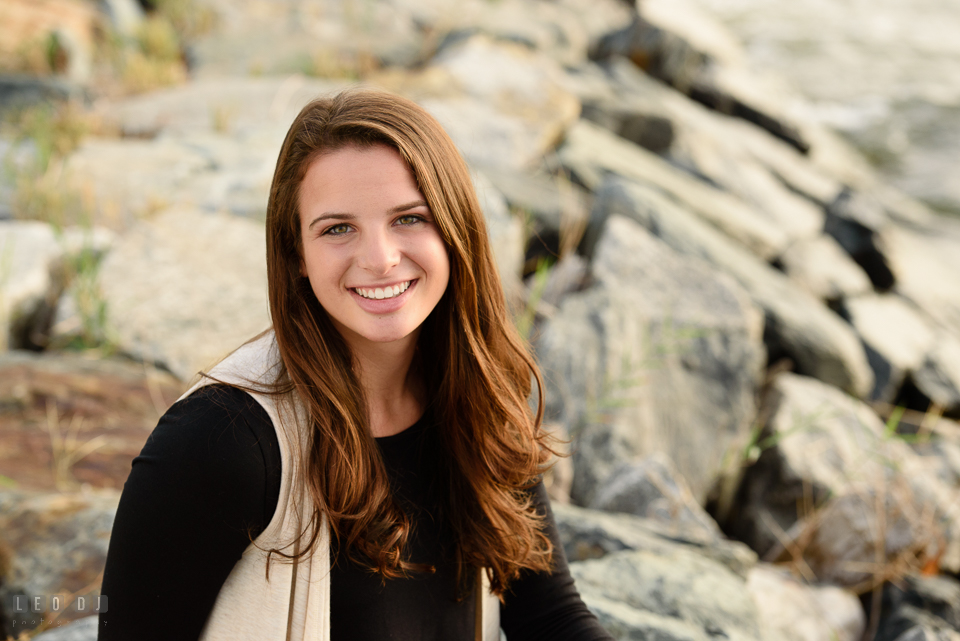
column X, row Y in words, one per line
column 476, row 369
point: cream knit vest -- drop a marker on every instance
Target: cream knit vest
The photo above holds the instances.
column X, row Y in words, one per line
column 294, row 604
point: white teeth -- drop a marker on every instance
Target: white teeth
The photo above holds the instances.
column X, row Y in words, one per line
column 379, row 293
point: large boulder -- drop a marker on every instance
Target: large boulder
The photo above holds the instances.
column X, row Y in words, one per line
column 29, row 255
column 645, row 579
column 230, row 106
column 184, row 299
column 506, row 235
column 503, row 104
column 129, row 179
column 707, row 144
column 920, row 607
column 673, row 43
column 676, row 595
column 793, row 611
column 104, row 407
column 322, row 37
column 897, row 336
column 556, row 209
column 941, row 449
column 590, row 152
column 820, row 266
column 84, row 629
column 58, row 545
column 836, row 56
column 830, row 479
column 926, row 267
column 210, row 143
column 939, row 375
column 592, row 534
column 659, row 353
column 38, row 262
column 798, row 325
column 651, row 488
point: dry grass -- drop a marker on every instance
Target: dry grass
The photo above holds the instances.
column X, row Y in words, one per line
column 889, row 504
column 44, row 136
column 66, row 447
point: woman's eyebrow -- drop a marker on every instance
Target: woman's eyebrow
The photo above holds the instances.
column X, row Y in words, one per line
column 410, row 205
column 330, row 215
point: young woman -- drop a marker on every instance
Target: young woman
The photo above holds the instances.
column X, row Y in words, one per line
column 367, row 469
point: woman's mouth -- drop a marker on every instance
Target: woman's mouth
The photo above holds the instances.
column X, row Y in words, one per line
column 381, row 293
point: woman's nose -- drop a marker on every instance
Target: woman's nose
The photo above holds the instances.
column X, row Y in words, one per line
column 379, row 253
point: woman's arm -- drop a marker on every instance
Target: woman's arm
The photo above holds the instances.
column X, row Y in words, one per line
column 197, row 495
column 547, row 605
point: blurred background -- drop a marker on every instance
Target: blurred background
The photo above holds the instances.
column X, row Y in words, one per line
column 728, row 229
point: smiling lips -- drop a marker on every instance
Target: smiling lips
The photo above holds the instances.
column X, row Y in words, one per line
column 380, row 293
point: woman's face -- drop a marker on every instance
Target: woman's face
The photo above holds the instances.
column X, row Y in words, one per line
column 371, row 249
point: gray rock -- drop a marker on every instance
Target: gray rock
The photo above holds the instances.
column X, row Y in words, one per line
column 239, row 105
column 942, row 451
column 590, row 152
column 184, row 300
column 133, row 178
column 29, row 287
column 18, row 91
column 674, row 595
column 556, row 207
column 502, row 104
column 826, row 476
column 125, row 16
column 855, row 220
column 939, row 375
column 709, row 146
column 651, row 488
column 661, row 352
column 672, row 47
column 327, row 37
column 506, row 235
column 910, row 623
column 938, row 596
column 835, row 59
column 798, row 325
column 16, row 158
column 210, row 143
column 820, row 266
column 591, row 534
column 84, row 629
column 897, row 336
column 599, row 18
column 549, row 28
column 926, row 267
column 568, row 275
column 796, row 170
column 322, row 37
column 792, row 611
column 58, row 542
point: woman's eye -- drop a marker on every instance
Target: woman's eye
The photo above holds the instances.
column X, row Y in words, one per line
column 337, row 230
column 409, row 219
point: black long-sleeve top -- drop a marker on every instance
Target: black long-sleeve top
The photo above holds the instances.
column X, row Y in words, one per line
column 207, row 482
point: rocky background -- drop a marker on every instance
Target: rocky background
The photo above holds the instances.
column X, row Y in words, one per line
column 749, row 331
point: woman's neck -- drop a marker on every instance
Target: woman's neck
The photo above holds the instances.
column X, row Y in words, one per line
column 392, row 387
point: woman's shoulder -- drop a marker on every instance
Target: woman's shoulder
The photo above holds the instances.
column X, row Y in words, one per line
column 219, row 402
column 216, row 428
column 255, row 364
